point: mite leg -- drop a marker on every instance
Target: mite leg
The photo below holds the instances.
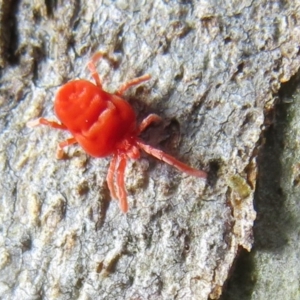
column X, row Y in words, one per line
column 122, row 195
column 91, row 66
column 61, row 145
column 110, row 177
column 42, row 121
column 171, row 160
column 124, row 87
column 146, row 122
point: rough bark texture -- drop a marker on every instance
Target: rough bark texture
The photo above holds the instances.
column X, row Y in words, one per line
column 271, row 270
column 215, row 68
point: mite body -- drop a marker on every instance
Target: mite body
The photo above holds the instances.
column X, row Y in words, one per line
column 104, row 124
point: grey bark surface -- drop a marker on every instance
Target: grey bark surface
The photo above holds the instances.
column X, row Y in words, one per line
column 271, row 270
column 215, row 69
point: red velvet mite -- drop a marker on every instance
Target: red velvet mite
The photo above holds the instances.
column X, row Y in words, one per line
column 105, row 124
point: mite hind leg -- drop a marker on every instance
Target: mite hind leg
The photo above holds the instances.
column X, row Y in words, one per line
column 61, row 145
column 42, row 121
column 125, row 86
column 92, row 67
column 153, row 118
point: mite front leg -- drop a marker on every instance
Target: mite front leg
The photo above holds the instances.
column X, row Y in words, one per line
column 122, row 195
column 171, row 160
column 110, row 177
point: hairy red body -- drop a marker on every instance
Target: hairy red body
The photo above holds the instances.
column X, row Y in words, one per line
column 97, row 120
column 104, row 124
